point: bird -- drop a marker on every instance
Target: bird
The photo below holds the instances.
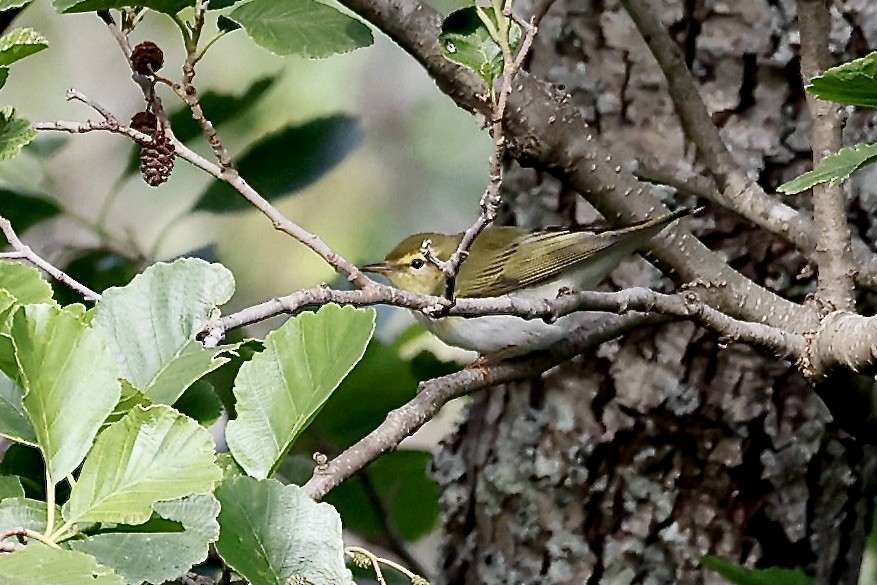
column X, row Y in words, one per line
column 519, row 262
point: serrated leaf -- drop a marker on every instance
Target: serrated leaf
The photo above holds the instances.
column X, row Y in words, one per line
column 25, row 210
column 834, row 168
column 69, row 381
column 38, row 564
column 15, row 133
column 166, row 6
column 4, row 75
column 319, row 145
column 303, row 27
column 465, row 40
column 20, row 43
column 281, row 389
column 853, row 83
column 159, row 556
column 743, row 576
column 10, row 487
column 24, row 283
column 271, row 534
column 150, row 325
column 151, row 455
column 14, row 421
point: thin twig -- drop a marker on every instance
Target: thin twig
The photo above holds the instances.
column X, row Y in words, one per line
column 24, row 252
column 189, row 93
column 492, row 198
column 112, row 126
column 833, row 255
column 118, row 34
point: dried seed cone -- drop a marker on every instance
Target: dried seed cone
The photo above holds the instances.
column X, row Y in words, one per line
column 145, row 122
column 147, row 58
column 157, row 160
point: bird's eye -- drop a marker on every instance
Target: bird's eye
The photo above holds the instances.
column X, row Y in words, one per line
column 417, row 264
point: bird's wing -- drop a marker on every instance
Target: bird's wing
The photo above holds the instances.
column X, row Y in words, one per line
column 530, row 259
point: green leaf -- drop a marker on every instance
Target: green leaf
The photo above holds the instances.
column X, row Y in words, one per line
column 853, row 83
column 166, row 6
column 318, row 145
column 152, row 454
column 281, row 389
column 4, row 75
column 218, row 108
column 38, row 564
column 201, row 403
column 159, row 556
column 24, row 283
column 19, row 43
column 742, row 576
column 272, row 534
column 69, row 381
column 303, row 27
column 833, row 169
column 10, row 487
column 14, row 422
column 466, row 41
column 150, row 325
column 25, row 210
column 20, row 511
column 15, row 133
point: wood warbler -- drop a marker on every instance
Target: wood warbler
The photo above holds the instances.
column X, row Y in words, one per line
column 518, row 262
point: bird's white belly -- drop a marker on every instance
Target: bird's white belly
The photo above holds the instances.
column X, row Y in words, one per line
column 499, row 332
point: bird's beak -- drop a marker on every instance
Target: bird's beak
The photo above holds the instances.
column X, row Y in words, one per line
column 377, row 268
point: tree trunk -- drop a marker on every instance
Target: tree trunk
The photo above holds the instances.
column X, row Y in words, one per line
column 629, row 463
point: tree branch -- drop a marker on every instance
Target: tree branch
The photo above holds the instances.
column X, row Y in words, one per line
column 685, row 305
column 434, row 394
column 24, row 252
column 833, row 257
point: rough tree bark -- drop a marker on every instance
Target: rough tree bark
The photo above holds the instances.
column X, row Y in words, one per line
column 629, row 463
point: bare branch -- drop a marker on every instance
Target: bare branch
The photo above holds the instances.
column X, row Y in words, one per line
column 24, row 252
column 189, row 93
column 491, row 199
column 118, row 34
column 844, row 339
column 434, row 394
column 833, row 256
column 686, row 305
column 83, row 127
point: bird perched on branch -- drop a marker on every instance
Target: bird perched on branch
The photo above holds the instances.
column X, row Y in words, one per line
column 515, row 261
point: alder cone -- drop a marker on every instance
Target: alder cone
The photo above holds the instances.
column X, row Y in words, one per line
column 147, row 58
column 157, row 160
